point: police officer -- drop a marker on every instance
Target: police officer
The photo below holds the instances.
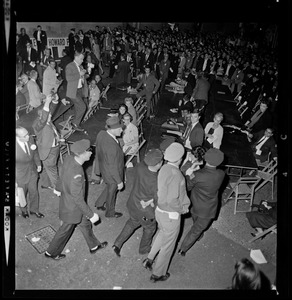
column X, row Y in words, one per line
column 73, row 210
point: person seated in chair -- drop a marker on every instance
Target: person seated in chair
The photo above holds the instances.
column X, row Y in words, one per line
column 264, row 218
column 263, row 145
column 94, row 94
column 130, row 140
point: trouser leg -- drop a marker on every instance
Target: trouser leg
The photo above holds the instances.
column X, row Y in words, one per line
column 79, row 108
column 33, row 193
column 129, row 228
column 198, row 227
column 60, row 239
column 149, row 228
column 164, row 242
column 50, row 165
column 86, row 228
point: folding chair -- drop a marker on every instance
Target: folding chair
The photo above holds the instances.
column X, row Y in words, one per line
column 140, row 119
column 142, row 141
column 90, row 112
column 20, row 107
column 246, row 187
column 272, row 229
column 104, row 92
column 243, row 108
column 67, row 128
column 64, row 149
column 139, row 101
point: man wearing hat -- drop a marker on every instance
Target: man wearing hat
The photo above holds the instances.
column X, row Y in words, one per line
column 109, row 163
column 73, row 210
column 172, row 202
column 142, row 202
column 204, row 185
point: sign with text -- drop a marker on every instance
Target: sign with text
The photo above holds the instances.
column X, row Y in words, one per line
column 57, row 42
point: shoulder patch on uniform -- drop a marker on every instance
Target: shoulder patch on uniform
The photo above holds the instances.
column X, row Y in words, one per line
column 76, row 176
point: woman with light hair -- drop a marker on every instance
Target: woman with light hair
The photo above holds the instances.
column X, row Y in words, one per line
column 131, row 109
column 214, row 132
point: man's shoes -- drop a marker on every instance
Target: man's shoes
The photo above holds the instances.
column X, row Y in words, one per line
column 147, row 264
column 116, row 250
column 77, row 128
column 117, row 214
column 25, row 215
column 58, row 257
column 101, row 246
column 182, row 253
column 103, row 208
column 155, row 278
column 47, row 187
column 93, row 181
column 38, row 214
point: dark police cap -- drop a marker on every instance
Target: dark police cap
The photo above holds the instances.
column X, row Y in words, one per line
column 80, row 146
column 214, row 157
column 153, row 157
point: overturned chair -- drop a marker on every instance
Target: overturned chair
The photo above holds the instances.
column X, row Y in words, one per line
column 246, row 187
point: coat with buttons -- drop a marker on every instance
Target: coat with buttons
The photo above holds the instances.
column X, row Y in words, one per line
column 71, row 184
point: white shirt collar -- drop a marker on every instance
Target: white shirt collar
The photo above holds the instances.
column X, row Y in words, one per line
column 112, row 136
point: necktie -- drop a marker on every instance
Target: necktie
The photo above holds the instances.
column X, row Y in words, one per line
column 187, row 133
column 260, row 140
column 26, row 148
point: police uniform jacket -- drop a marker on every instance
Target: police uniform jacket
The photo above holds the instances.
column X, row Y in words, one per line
column 204, row 191
column 71, row 184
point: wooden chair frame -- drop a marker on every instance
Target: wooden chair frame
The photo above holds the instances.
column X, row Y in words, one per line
column 142, row 141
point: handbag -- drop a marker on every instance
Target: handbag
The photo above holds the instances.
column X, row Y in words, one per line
column 20, row 197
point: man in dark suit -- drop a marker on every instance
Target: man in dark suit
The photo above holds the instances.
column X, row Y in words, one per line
column 122, row 71
column 109, row 163
column 142, row 202
column 230, row 69
column 48, row 140
column 41, row 40
column 164, row 70
column 263, row 145
column 147, row 59
column 71, row 38
column 206, row 64
column 65, row 60
column 261, row 119
column 194, row 134
column 204, row 185
column 158, row 57
column 75, row 84
column 28, row 165
column 201, row 91
column 73, row 209
column 199, row 62
column 29, row 58
column 150, row 87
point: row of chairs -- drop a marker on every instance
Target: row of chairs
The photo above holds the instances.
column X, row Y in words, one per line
column 94, row 108
column 141, row 110
column 242, row 104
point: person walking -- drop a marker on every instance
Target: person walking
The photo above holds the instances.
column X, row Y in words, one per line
column 204, row 185
column 109, row 163
column 142, row 202
column 73, row 209
column 172, row 202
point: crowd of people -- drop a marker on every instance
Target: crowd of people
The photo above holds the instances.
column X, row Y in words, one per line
column 182, row 175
